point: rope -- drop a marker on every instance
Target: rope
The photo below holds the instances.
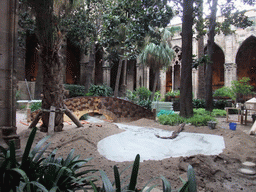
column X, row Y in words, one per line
column 60, row 110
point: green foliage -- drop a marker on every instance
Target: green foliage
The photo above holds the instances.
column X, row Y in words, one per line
column 130, row 95
column 198, row 103
column 218, row 113
column 224, row 92
column 75, row 90
column 143, row 93
column 101, row 90
column 220, row 104
column 157, row 96
column 35, row 106
column 37, row 173
column 241, row 86
column 140, row 97
column 200, row 118
column 173, row 93
column 126, row 23
column 173, row 119
column 26, row 24
column 122, row 186
column 204, row 60
column 165, row 112
column 145, row 103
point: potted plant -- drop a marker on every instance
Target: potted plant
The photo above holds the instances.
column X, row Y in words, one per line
column 212, row 124
column 172, row 94
column 223, row 93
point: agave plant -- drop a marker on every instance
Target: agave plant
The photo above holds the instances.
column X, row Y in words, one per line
column 37, row 173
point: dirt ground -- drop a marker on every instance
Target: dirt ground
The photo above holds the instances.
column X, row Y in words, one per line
column 213, row 173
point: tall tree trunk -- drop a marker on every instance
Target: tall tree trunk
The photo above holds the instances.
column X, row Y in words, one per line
column 200, row 41
column 53, row 91
column 89, row 69
column 210, row 46
column 155, row 83
column 186, row 106
column 50, row 40
column 39, row 81
column 119, row 70
column 124, row 84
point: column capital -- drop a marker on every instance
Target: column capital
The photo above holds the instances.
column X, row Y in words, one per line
column 230, row 66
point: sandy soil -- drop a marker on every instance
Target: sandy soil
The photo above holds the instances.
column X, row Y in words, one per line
column 213, row 173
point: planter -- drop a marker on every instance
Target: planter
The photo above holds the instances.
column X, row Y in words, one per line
column 212, row 124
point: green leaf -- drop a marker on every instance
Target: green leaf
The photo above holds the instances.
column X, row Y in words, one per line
column 184, row 187
column 135, row 171
column 28, row 146
column 191, row 179
column 12, row 154
column 69, row 157
column 39, row 155
column 117, row 179
column 38, row 145
column 166, row 185
column 106, row 182
column 39, row 185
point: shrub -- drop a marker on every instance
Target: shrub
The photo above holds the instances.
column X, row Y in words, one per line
column 131, row 96
column 36, row 173
column 173, row 119
column 100, row 90
column 218, row 112
column 157, row 96
column 220, row 104
column 200, row 118
column 35, row 106
column 173, row 93
column 143, row 93
column 75, row 90
column 241, row 86
column 140, row 96
column 198, row 103
column 145, row 103
column 224, row 92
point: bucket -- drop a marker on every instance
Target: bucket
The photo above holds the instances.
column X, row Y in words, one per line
column 232, row 126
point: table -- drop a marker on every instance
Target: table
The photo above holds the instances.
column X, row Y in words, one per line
column 242, row 115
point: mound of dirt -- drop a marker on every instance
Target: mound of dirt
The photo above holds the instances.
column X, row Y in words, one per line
column 213, row 173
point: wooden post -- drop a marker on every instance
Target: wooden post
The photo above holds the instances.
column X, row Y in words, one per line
column 28, row 112
column 72, row 117
column 51, row 121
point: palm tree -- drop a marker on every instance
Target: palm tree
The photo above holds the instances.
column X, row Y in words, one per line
column 48, row 14
column 158, row 56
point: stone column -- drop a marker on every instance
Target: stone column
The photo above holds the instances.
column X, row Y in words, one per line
column 138, row 76
column 173, row 78
column 8, row 59
column 162, row 83
column 230, row 73
column 130, row 77
column 146, row 77
column 83, row 62
column 194, row 82
column 106, row 73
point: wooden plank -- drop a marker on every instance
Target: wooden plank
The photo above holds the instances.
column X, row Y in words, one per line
column 72, row 117
column 51, row 121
